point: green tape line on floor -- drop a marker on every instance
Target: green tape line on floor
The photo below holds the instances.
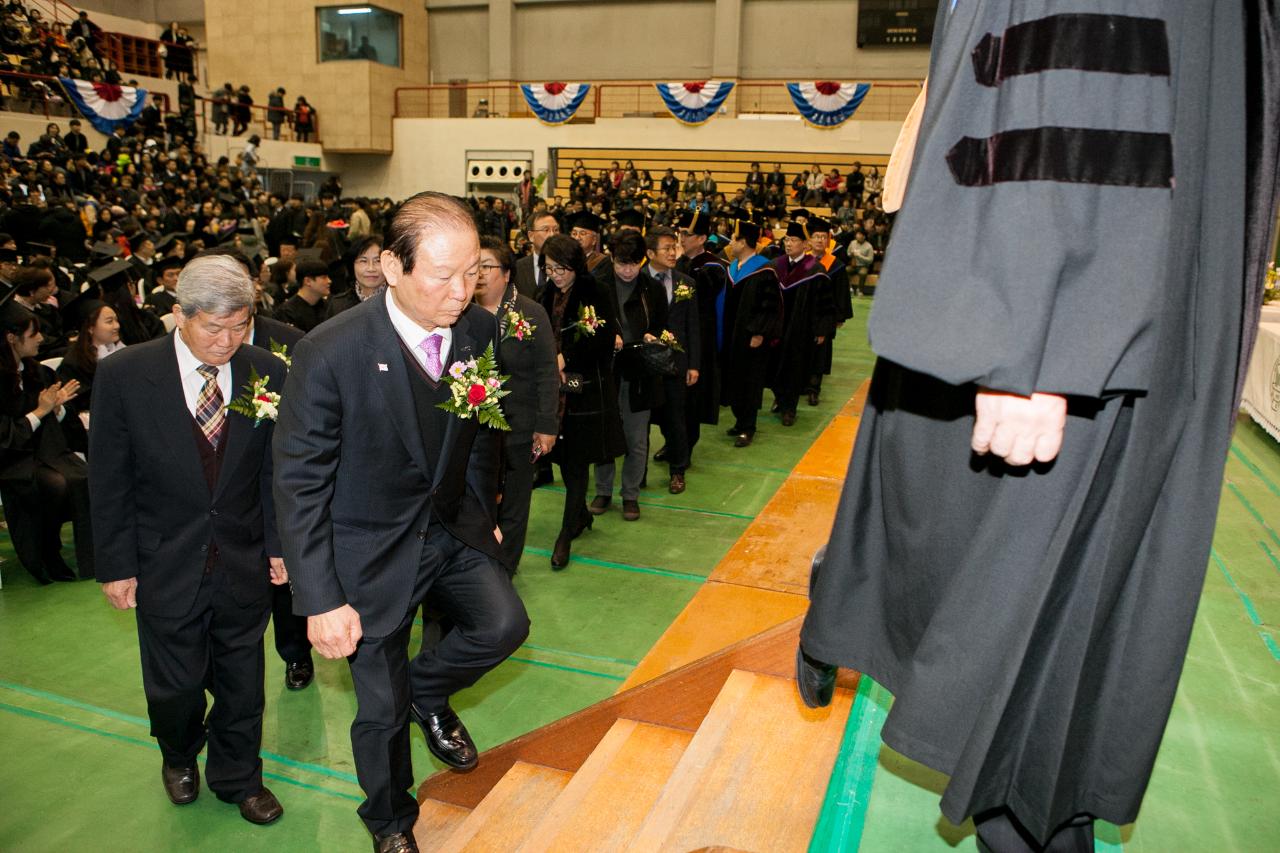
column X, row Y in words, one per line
column 844, row 810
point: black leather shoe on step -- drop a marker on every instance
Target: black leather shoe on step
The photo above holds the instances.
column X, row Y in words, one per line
column 397, row 842
column 298, row 675
column 447, row 738
column 816, row 680
column 262, row 808
column 182, row 784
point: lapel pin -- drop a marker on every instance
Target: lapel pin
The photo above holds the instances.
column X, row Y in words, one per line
column 382, row 368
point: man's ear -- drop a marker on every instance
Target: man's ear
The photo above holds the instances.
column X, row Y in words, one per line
column 391, row 268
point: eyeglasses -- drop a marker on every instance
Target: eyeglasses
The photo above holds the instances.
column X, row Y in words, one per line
column 488, row 268
column 556, row 269
column 554, row 228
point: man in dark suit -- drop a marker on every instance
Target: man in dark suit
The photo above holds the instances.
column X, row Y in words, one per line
column 682, row 321
column 288, row 629
column 181, row 490
column 530, row 278
column 373, row 527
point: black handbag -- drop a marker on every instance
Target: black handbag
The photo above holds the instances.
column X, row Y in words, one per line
column 654, row 357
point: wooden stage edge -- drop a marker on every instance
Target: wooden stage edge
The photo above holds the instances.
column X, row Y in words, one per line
column 745, row 617
column 764, row 579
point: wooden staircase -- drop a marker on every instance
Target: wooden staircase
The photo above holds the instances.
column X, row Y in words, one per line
column 718, row 755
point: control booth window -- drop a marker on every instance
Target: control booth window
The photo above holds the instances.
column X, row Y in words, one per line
column 358, row 32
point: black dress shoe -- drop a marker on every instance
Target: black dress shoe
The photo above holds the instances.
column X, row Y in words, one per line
column 743, row 440
column 816, row 680
column 630, row 510
column 661, row 455
column 398, row 842
column 600, row 504
column 560, row 551
column 447, row 738
column 182, row 784
column 262, row 808
column 677, row 484
column 298, row 675
column 788, row 419
column 813, row 398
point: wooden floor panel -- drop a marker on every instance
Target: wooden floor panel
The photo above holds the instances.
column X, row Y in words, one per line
column 720, row 615
column 754, row 775
column 604, row 804
column 828, row 456
column 514, row 806
column 436, row 822
column 776, row 551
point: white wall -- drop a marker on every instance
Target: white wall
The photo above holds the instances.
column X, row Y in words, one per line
column 431, row 153
column 31, row 126
column 275, row 155
column 828, row 46
column 616, row 40
column 458, row 44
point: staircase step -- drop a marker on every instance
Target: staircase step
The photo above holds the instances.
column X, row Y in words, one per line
column 607, row 800
column 510, row 811
column 436, row 822
column 755, row 773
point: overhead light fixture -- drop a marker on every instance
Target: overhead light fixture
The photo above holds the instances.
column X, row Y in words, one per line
column 361, row 10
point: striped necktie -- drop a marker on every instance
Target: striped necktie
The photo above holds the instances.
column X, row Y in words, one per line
column 210, row 414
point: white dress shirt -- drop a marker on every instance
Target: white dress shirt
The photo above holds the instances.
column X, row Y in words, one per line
column 413, row 335
column 192, row 379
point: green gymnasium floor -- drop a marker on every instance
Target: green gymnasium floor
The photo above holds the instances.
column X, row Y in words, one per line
column 78, row 769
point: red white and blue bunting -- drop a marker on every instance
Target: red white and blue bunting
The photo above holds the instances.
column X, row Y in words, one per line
column 105, row 105
column 826, row 103
column 554, row 103
column 694, row 103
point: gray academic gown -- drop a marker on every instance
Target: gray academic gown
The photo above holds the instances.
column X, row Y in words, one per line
column 1032, row 623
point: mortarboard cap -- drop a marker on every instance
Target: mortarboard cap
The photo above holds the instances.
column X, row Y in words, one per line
column 695, row 222
column 41, row 250
column 816, row 224
column 800, row 213
column 631, row 218
column 797, row 229
column 111, row 276
column 744, row 230
column 9, row 256
column 105, row 249
column 587, row 221
column 171, row 262
column 168, row 240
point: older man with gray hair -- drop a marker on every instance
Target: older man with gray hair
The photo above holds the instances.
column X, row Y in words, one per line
column 180, row 487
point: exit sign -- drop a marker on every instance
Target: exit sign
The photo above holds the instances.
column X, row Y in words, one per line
column 313, row 162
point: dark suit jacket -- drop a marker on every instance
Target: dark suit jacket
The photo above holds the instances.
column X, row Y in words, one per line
column 266, row 330
column 682, row 321
column 526, row 278
column 354, row 488
column 153, row 514
column 534, row 402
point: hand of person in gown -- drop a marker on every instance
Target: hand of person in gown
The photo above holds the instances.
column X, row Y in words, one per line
column 122, row 594
column 279, row 574
column 1019, row 429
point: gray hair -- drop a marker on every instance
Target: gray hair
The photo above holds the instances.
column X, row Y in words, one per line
column 214, row 284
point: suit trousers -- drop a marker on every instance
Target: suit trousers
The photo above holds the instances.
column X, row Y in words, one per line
column 488, row 623
column 216, row 646
column 517, row 492
column 671, row 418
column 290, row 631
column 635, row 428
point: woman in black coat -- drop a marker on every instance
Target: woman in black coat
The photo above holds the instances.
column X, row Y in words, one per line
column 590, row 425
column 99, row 337
column 41, row 480
column 527, row 353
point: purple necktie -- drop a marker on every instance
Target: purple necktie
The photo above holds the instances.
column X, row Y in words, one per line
column 431, row 346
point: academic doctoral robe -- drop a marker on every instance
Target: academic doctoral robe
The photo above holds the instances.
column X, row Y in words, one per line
column 711, row 276
column 752, row 306
column 807, row 313
column 1089, row 221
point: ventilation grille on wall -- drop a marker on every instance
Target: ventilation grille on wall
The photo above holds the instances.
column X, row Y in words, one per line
column 496, row 171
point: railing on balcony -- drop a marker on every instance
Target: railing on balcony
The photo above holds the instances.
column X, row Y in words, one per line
column 260, row 120
column 888, row 100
